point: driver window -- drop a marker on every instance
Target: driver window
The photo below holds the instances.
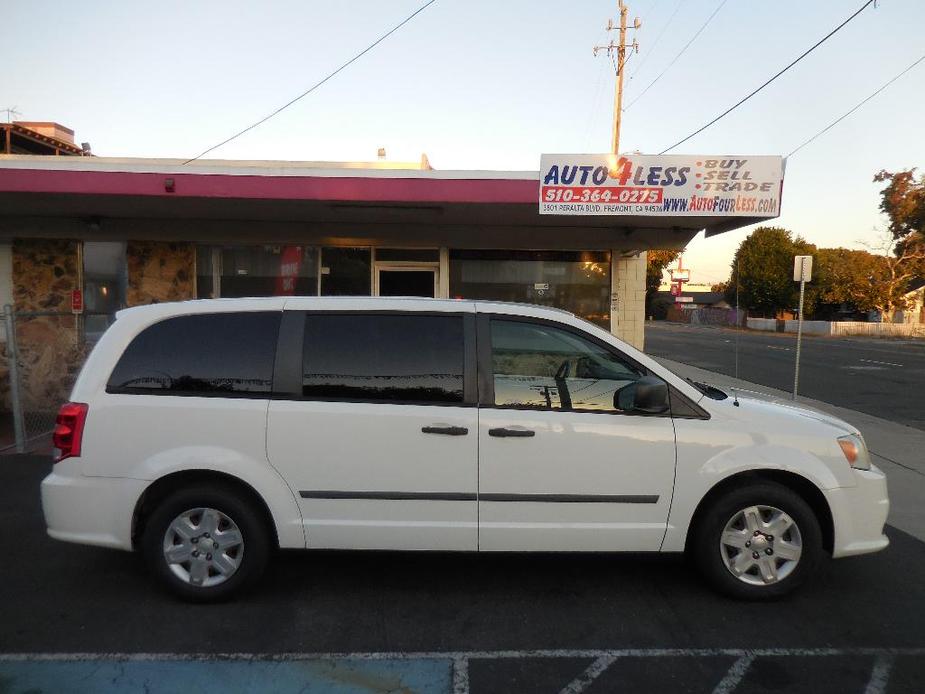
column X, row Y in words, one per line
column 543, row 367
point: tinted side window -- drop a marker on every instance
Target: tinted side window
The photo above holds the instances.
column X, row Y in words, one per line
column 539, row 366
column 205, row 354
column 391, row 358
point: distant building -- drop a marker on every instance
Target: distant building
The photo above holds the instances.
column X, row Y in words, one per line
column 915, row 311
column 39, row 137
column 666, row 305
column 690, row 287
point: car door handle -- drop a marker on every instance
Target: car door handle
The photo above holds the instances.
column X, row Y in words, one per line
column 445, row 430
column 503, row 431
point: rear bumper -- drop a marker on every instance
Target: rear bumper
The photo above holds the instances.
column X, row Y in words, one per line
column 859, row 514
column 90, row 510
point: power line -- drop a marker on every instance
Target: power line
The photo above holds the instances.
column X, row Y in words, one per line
column 856, row 107
column 657, row 39
column 319, row 83
column 742, row 101
column 680, row 53
column 626, row 59
column 594, row 102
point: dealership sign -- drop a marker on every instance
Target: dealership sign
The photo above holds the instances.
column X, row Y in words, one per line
column 668, row 185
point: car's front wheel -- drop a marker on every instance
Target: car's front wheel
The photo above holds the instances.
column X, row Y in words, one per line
column 206, row 543
column 758, row 542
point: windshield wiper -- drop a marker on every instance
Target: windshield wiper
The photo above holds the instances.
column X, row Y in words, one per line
column 710, row 391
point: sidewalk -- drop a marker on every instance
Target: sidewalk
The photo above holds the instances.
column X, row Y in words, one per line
column 896, row 449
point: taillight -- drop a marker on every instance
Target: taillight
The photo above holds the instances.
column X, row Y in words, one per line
column 69, row 429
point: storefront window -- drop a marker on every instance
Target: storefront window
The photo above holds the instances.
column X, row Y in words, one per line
column 346, row 272
column 105, row 280
column 206, row 285
column 239, row 271
column 577, row 281
column 269, row 271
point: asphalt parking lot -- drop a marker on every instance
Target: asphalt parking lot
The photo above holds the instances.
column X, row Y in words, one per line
column 92, row 619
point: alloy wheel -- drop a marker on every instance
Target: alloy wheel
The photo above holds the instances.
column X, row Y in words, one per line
column 203, row 547
column 761, row 545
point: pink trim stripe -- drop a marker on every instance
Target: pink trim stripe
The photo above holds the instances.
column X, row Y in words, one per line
column 352, row 189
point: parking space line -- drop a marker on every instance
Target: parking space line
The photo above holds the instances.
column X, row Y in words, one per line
column 880, row 675
column 481, row 655
column 460, row 676
column 734, row 675
column 591, row 673
column 432, row 671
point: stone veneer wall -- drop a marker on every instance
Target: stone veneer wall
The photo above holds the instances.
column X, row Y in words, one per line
column 160, row 271
column 44, row 273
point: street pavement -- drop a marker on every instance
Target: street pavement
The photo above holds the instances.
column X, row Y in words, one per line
column 882, row 377
column 82, row 619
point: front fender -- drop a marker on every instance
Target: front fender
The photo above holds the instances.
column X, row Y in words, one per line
column 703, row 463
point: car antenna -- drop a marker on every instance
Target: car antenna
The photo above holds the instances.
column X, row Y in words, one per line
column 738, row 328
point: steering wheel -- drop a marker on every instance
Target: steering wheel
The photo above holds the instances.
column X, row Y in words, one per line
column 564, row 370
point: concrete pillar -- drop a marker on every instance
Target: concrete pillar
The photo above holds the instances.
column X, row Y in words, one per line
column 444, row 279
column 628, row 297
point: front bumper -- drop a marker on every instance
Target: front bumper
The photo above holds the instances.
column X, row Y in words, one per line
column 90, row 510
column 859, row 514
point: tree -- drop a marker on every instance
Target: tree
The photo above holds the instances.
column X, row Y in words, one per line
column 762, row 272
column 893, row 272
column 903, row 201
column 866, row 281
column 843, row 276
column 656, row 262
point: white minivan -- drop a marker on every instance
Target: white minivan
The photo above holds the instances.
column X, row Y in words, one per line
column 209, row 433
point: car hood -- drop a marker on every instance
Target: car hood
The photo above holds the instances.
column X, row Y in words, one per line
column 757, row 403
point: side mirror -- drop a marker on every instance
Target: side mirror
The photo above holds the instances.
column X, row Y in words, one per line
column 649, row 395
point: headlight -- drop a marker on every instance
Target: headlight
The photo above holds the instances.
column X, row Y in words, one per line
column 855, row 451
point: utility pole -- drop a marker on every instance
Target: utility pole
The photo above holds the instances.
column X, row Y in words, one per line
column 620, row 50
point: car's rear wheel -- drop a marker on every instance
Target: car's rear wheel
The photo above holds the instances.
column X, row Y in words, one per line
column 206, row 543
column 758, row 542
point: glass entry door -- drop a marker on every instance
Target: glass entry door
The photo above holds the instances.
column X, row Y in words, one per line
column 394, row 279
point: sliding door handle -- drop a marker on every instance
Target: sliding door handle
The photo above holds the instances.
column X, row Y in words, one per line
column 504, row 432
column 445, row 430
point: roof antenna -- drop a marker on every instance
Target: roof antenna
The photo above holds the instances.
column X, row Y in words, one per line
column 11, row 113
column 735, row 398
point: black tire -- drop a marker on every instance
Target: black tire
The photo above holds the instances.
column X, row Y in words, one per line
column 705, row 545
column 239, row 509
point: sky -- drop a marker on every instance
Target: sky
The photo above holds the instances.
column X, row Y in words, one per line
column 482, row 84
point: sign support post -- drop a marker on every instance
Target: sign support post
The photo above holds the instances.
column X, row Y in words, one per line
column 802, row 271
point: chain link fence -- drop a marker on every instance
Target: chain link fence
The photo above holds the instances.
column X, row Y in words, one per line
column 41, row 357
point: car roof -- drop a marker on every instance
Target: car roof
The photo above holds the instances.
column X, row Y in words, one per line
column 329, row 303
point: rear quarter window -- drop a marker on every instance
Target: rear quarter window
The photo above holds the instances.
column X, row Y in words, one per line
column 224, row 354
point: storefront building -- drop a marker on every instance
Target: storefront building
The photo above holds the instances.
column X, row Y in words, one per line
column 82, row 237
